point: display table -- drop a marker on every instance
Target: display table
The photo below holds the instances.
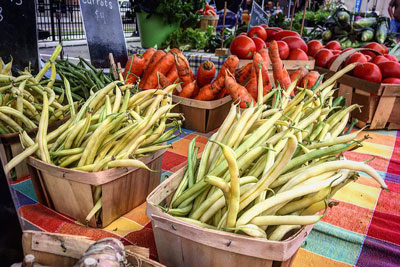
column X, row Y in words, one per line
column 363, row 230
column 194, row 58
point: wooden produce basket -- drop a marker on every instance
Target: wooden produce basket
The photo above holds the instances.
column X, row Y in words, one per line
column 202, row 116
column 70, row 191
column 65, row 250
column 209, row 21
column 11, row 146
column 380, row 102
column 182, row 244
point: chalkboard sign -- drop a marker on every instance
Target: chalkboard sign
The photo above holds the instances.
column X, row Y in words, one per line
column 104, row 34
column 257, row 16
column 19, row 34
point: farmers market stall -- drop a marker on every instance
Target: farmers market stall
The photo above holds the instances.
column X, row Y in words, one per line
column 361, row 231
column 191, row 159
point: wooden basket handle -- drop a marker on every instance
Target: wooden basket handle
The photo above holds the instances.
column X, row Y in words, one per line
column 342, row 57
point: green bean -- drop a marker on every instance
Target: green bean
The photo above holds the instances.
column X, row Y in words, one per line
column 190, row 169
column 272, row 174
column 42, row 132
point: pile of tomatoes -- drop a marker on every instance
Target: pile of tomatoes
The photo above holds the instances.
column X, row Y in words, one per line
column 290, row 44
column 376, row 65
column 208, row 10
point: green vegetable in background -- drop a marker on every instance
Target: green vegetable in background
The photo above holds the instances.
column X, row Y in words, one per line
column 189, row 38
column 327, row 35
column 215, row 40
column 343, row 17
column 365, row 22
column 381, row 32
column 367, row 35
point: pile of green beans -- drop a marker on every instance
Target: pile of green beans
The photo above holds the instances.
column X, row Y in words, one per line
column 272, row 168
column 83, row 77
column 21, row 97
column 115, row 127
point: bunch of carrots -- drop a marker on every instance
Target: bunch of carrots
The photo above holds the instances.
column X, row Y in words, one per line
column 158, row 69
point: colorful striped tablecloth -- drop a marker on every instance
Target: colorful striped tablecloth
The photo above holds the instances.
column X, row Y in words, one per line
column 194, row 58
column 363, row 230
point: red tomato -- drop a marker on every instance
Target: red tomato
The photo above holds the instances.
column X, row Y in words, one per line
column 329, row 64
column 344, row 50
column 283, row 49
column 313, row 47
column 379, row 59
column 335, row 52
column 385, row 49
column 260, row 44
column 297, row 54
column 295, row 42
column 242, row 33
column 271, row 32
column 258, row 31
column 391, row 58
column 376, row 47
column 368, row 71
column 356, row 57
column 390, row 69
column 322, row 57
column 369, row 53
column 267, row 45
column 282, row 34
column 391, row 80
column 243, row 47
column 369, row 58
column 334, row 45
column 265, row 26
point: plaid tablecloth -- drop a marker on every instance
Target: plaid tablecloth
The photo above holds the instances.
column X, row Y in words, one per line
column 194, row 58
column 364, row 230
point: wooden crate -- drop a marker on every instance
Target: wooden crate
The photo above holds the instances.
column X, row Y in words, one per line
column 183, row 244
column 202, row 116
column 10, row 146
column 70, row 192
column 380, row 102
column 65, row 250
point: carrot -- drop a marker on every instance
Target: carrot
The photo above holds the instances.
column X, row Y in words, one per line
column 147, row 56
column 264, row 54
column 211, row 90
column 309, row 80
column 281, row 75
column 185, row 73
column 298, row 74
column 242, row 74
column 150, row 67
column 134, row 69
column 172, row 75
column 230, row 64
column 205, row 73
column 175, row 51
column 188, row 90
column 196, row 90
column 263, row 63
column 163, row 66
column 238, row 92
column 162, row 80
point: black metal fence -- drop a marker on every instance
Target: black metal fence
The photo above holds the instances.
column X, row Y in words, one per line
column 63, row 18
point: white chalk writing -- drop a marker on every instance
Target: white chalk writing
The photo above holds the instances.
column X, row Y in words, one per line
column 100, row 16
column 100, row 3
